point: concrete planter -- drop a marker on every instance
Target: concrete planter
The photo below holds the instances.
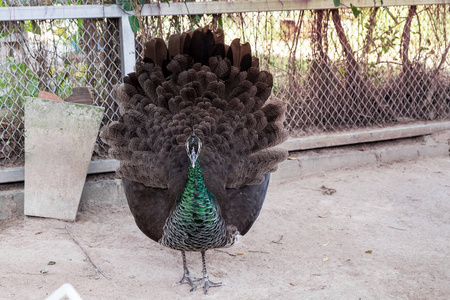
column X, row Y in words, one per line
column 59, row 140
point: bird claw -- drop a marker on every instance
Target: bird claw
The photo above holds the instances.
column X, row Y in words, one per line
column 187, row 278
column 206, row 284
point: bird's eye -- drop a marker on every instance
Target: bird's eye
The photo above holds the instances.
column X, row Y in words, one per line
column 187, row 146
column 199, row 143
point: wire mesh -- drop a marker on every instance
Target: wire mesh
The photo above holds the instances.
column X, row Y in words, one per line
column 54, row 56
column 333, row 70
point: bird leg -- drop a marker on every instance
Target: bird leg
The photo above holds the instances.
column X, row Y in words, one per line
column 205, row 283
column 187, row 278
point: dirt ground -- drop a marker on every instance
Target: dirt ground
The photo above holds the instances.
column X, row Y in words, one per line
column 380, row 232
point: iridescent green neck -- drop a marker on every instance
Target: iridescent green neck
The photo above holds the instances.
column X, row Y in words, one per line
column 195, row 177
column 195, row 190
column 195, row 223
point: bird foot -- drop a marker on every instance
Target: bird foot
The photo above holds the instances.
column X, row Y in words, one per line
column 206, row 284
column 187, row 278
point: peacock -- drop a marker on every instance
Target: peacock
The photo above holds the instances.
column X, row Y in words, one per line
column 195, row 140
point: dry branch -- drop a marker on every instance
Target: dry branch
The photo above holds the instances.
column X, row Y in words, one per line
column 406, row 37
column 369, row 34
column 97, row 270
column 350, row 57
column 317, row 34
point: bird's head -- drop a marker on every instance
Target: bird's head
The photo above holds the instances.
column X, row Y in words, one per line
column 193, row 147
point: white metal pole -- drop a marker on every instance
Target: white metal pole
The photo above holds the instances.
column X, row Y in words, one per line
column 127, row 46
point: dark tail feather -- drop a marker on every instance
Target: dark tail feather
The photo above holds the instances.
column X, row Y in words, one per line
column 197, row 83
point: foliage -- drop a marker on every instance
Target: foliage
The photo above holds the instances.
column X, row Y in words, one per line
column 132, row 5
column 355, row 10
column 17, row 82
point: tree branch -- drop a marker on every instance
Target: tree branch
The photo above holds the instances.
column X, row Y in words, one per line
column 369, row 39
column 406, row 37
column 351, row 61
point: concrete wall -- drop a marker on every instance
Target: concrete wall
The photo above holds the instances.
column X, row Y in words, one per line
column 308, row 162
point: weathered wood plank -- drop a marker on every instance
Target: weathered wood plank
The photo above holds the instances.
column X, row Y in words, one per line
column 188, row 8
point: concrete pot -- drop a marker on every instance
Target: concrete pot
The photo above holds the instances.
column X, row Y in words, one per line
column 59, row 141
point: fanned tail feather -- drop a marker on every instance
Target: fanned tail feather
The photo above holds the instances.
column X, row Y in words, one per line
column 197, row 82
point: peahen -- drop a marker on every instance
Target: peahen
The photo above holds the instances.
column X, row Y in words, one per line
column 195, row 140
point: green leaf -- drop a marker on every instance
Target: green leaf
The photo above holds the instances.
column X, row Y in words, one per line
column 220, row 21
column 337, row 3
column 134, row 23
column 355, row 10
column 19, row 68
column 35, row 27
column 126, row 4
column 5, row 33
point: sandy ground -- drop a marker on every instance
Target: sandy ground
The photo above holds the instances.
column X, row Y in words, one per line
column 383, row 234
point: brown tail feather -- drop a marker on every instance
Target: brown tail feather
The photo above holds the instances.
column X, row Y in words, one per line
column 174, row 45
column 197, row 82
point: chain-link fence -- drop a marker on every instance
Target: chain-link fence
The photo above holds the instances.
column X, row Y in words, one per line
column 334, row 71
column 54, row 56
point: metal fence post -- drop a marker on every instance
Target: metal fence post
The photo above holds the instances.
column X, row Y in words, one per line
column 127, row 46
